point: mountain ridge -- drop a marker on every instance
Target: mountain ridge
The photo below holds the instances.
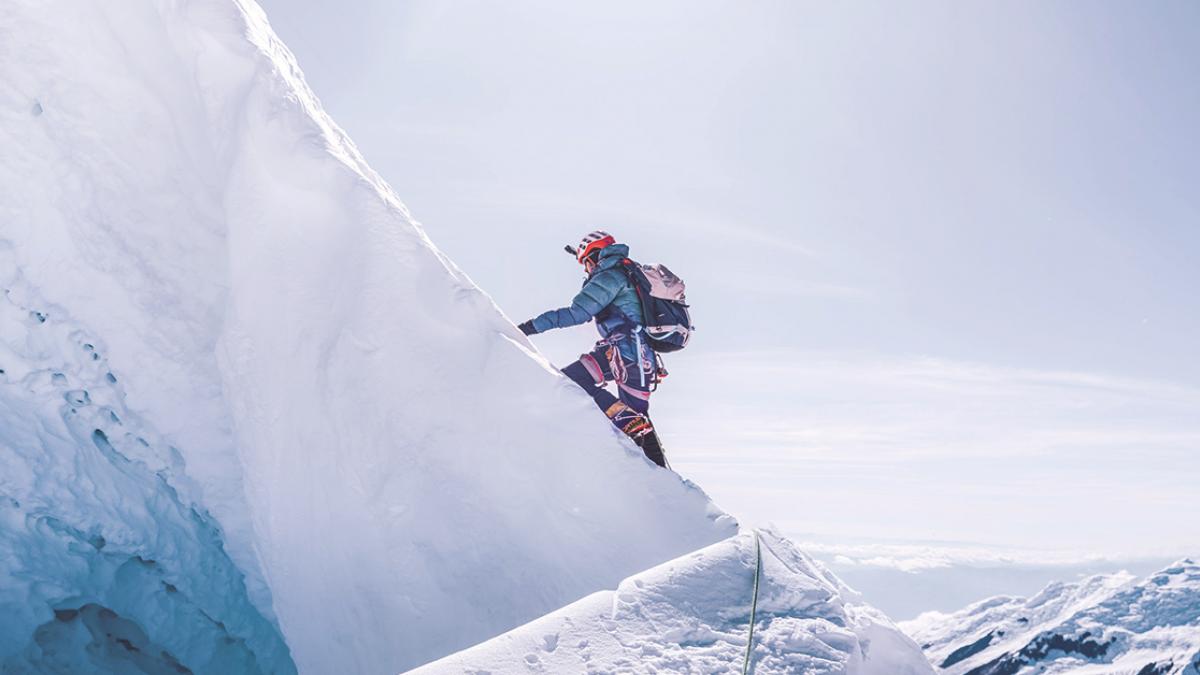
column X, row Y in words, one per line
column 1102, row 624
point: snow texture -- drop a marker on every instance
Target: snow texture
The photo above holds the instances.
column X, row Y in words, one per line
column 692, row 615
column 244, row 397
column 107, row 563
column 1102, row 625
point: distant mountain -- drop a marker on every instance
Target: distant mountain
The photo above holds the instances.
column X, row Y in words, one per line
column 1103, row 625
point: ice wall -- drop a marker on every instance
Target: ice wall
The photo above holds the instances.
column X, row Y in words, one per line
column 107, row 564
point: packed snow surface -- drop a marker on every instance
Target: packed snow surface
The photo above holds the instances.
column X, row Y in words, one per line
column 1103, row 625
column 692, row 615
column 244, row 400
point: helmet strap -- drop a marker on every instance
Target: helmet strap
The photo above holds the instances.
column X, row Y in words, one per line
column 590, row 262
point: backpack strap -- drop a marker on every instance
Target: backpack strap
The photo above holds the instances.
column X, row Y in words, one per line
column 627, row 267
column 634, row 278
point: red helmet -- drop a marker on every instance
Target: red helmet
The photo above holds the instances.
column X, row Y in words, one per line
column 591, row 243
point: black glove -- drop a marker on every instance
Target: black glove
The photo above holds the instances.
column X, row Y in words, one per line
column 527, row 327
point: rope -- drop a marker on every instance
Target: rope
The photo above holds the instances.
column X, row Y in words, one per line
column 753, row 603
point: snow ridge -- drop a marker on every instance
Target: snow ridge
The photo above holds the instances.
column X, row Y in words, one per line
column 691, row 615
column 1103, row 625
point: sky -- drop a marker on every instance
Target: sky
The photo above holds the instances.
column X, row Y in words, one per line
column 941, row 257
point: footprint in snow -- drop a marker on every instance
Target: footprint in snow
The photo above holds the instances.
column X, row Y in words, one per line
column 91, row 349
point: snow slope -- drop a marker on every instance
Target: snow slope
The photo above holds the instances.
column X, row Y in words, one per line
column 316, row 425
column 692, row 615
column 1102, row 625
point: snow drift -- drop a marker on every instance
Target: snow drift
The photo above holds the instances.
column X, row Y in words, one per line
column 692, row 615
column 1103, row 625
column 243, row 396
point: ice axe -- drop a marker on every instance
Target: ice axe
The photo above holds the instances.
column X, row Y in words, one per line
column 572, row 250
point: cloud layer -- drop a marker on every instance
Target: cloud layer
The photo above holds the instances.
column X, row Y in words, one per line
column 930, row 449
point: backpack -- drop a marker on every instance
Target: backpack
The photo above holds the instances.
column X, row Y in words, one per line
column 665, row 317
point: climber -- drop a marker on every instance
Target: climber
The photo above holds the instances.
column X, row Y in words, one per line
column 622, row 355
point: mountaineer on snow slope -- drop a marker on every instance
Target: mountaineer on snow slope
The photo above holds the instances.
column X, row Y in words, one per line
column 618, row 293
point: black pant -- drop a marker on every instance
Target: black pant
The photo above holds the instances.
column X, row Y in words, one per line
column 607, row 364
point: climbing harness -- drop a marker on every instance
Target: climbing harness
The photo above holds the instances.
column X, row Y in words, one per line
column 616, row 363
column 753, row 602
column 647, row 368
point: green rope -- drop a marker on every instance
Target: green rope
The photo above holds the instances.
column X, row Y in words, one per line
column 753, row 603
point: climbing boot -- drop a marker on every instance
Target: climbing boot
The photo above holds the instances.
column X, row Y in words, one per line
column 638, row 428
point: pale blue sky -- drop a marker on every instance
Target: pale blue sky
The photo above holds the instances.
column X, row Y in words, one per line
column 943, row 258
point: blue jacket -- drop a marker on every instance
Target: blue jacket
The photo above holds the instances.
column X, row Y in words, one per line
column 607, row 296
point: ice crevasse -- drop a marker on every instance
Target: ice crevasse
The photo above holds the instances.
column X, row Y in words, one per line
column 251, row 419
